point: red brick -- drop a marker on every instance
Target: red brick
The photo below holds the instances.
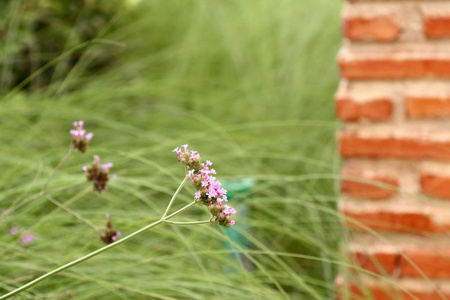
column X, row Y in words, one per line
column 369, row 190
column 424, row 107
column 394, row 65
column 374, row 110
column 403, row 260
column 388, row 220
column 433, row 262
column 354, row 1
column 435, row 185
column 379, row 262
column 382, row 290
column 352, row 145
column 437, row 26
column 378, row 28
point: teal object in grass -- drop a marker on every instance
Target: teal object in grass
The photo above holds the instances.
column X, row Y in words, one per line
column 238, row 189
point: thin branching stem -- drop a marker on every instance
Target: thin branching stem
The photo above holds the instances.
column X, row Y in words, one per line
column 97, row 252
column 58, row 167
column 174, row 196
column 189, row 223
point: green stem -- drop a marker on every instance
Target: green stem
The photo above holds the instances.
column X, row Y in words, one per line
column 174, row 196
column 189, row 223
column 59, row 166
column 72, row 212
column 93, row 254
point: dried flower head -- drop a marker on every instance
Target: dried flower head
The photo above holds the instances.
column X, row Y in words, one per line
column 110, row 235
column 209, row 190
column 80, row 139
column 98, row 174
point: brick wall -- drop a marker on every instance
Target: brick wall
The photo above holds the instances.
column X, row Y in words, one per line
column 394, row 100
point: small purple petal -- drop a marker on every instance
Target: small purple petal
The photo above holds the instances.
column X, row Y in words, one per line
column 14, row 230
column 89, row 136
column 28, row 238
column 106, row 167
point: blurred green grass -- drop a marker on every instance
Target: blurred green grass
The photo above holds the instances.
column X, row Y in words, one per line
column 250, row 85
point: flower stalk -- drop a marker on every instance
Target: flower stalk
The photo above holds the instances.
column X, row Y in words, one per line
column 96, row 252
column 208, row 193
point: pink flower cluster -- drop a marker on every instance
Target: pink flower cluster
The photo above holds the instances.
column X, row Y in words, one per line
column 209, row 190
column 191, row 159
column 25, row 239
column 110, row 235
column 98, row 174
column 80, row 139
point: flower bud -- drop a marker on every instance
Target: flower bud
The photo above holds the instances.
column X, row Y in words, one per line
column 80, row 139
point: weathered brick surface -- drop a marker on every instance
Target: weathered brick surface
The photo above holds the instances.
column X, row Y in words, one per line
column 411, row 258
column 428, row 106
column 351, row 144
column 395, row 63
column 435, row 185
column 437, row 20
column 409, row 289
column 432, row 262
column 401, row 220
column 394, row 100
column 368, row 187
column 377, row 28
column 374, row 110
column 437, row 26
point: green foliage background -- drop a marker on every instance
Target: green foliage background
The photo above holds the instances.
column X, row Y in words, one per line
column 249, row 84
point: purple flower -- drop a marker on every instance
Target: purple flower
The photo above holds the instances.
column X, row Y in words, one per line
column 80, row 139
column 116, row 236
column 106, row 167
column 189, row 158
column 191, row 175
column 98, row 174
column 211, row 193
column 177, row 151
column 110, row 235
column 89, row 136
column 27, row 238
column 200, row 175
column 228, row 210
column 14, row 231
